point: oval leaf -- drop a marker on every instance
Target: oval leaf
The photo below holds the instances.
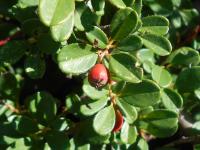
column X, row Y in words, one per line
column 122, row 66
column 104, row 120
column 129, row 111
column 124, row 21
column 160, row 123
column 63, row 31
column 130, row 43
column 76, row 58
column 188, row 80
column 97, row 37
column 128, row 134
column 142, row 94
column 92, row 92
column 171, row 99
column 54, row 12
column 161, row 76
column 160, row 45
column 155, row 24
column 184, row 56
column 89, row 109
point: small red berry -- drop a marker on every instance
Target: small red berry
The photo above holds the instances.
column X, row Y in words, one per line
column 118, row 121
column 98, row 76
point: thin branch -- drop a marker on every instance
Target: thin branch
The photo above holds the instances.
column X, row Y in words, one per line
column 185, row 140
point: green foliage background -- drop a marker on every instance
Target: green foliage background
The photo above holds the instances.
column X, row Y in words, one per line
column 46, row 101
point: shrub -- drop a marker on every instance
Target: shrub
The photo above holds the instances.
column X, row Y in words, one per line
column 99, row 74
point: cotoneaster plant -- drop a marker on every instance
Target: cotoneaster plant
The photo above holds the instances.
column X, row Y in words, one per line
column 98, row 74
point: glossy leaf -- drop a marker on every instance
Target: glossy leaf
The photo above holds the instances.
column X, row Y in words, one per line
column 155, row 25
column 171, row 99
column 122, row 66
column 124, row 21
column 104, row 120
column 91, row 108
column 184, row 56
column 130, row 43
column 161, row 76
column 97, row 37
column 76, row 58
column 129, row 111
column 142, row 94
column 160, row 123
column 55, row 12
column 63, row 31
column 92, row 92
column 128, row 134
column 84, row 17
column 158, row 44
column 118, row 3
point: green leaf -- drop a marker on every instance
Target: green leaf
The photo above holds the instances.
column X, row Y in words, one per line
column 92, row 92
column 164, row 7
column 63, row 31
column 59, row 124
column 129, row 111
column 123, row 22
column 155, row 25
column 84, row 17
column 189, row 16
column 98, row 6
column 118, row 3
column 57, row 140
column 142, row 94
column 137, row 6
column 12, row 48
column 76, row 58
column 140, row 145
column 97, row 37
column 171, row 99
column 91, row 108
column 51, row 48
column 55, row 11
column 122, row 65
column 188, row 80
column 130, row 43
column 197, row 93
column 184, row 56
column 26, row 125
column 161, row 76
column 158, row 44
column 8, row 86
column 42, row 106
column 35, row 67
column 160, row 123
column 104, row 120
column 128, row 134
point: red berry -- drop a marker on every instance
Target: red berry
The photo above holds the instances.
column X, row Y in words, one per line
column 4, row 41
column 98, row 76
column 118, row 121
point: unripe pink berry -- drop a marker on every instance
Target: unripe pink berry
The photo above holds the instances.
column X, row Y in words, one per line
column 98, row 76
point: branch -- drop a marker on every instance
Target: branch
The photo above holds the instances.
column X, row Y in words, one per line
column 184, row 140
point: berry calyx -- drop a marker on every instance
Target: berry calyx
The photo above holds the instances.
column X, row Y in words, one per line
column 118, row 121
column 98, row 76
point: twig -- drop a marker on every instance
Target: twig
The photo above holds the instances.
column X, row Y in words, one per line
column 184, row 140
column 10, row 107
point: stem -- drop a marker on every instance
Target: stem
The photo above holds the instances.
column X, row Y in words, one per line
column 184, row 140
